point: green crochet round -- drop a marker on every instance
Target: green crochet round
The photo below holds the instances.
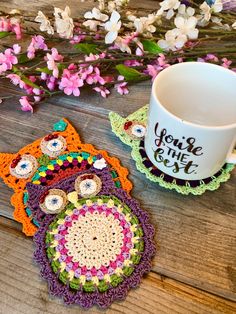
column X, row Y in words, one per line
column 117, row 124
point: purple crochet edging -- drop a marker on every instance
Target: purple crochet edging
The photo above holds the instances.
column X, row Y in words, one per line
column 103, row 300
column 67, row 185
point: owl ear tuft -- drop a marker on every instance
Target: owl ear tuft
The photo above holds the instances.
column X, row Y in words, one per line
column 116, row 121
column 65, row 128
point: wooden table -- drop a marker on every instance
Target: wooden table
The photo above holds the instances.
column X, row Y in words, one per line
column 194, row 270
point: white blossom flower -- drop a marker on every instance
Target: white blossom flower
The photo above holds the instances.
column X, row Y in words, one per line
column 122, row 44
column 45, row 23
column 206, row 10
column 217, row 6
column 63, row 22
column 187, row 26
column 234, row 25
column 144, row 24
column 185, row 12
column 96, row 14
column 130, row 17
column 169, row 6
column 112, row 26
column 218, row 24
column 116, row 5
column 92, row 24
column 174, row 40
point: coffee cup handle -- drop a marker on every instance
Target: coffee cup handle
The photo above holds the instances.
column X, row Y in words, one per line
column 231, row 159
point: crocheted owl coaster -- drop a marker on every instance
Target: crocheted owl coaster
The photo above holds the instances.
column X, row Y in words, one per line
column 93, row 241
column 95, row 249
column 49, row 160
column 131, row 131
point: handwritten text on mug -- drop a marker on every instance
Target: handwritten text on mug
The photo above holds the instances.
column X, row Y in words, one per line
column 174, row 148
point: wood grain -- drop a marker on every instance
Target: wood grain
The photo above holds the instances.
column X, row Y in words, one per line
column 196, row 236
column 22, row 290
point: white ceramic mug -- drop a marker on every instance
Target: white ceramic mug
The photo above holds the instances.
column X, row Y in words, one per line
column 191, row 129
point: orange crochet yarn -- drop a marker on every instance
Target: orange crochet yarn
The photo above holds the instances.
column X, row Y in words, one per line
column 29, row 156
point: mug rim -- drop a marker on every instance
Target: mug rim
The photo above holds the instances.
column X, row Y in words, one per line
column 187, row 63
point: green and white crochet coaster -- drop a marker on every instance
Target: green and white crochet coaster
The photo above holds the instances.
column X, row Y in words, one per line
column 131, row 131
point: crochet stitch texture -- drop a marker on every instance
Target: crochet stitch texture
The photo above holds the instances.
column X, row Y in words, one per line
column 126, row 130
column 73, row 144
column 93, row 242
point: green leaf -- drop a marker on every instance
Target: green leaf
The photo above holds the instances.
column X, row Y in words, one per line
column 29, row 82
column 87, row 48
column 44, row 70
column 4, row 34
column 22, row 58
column 130, row 74
column 151, row 46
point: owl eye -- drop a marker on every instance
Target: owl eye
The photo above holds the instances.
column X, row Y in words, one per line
column 53, row 201
column 53, row 145
column 138, row 130
column 88, row 185
column 135, row 129
column 23, row 167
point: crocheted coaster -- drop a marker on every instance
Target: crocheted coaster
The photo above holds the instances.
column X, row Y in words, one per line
column 94, row 242
column 131, row 131
column 50, row 159
column 95, row 250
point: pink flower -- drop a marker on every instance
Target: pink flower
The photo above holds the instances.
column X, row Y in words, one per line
column 17, row 30
column 85, row 72
column 37, row 43
column 140, row 50
column 51, row 83
column 93, row 57
column 102, row 90
column 51, row 58
column 43, row 76
column 95, row 77
column 132, row 63
column 7, row 59
column 5, row 25
column 153, row 70
column 16, row 80
column 226, row 63
column 201, row 60
column 162, row 60
column 25, row 104
column 77, row 39
column 16, row 49
column 121, row 87
column 72, row 67
column 70, row 83
column 37, row 94
column 211, row 57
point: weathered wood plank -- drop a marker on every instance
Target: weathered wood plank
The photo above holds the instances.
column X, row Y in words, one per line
column 195, row 234
column 23, row 291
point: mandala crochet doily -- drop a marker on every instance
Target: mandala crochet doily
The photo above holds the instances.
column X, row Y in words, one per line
column 95, row 250
column 131, row 131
